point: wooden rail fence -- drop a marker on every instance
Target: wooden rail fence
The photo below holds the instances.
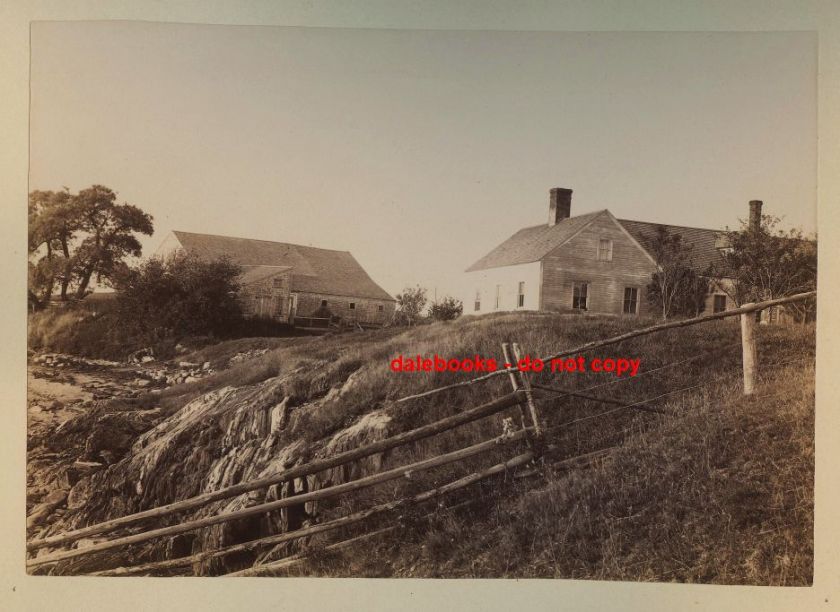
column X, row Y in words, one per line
column 524, row 396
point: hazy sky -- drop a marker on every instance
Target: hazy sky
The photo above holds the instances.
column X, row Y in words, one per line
column 419, row 151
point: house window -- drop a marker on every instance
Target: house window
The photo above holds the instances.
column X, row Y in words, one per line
column 605, row 250
column 723, row 244
column 352, row 305
column 278, row 283
column 477, row 300
column 323, row 302
column 498, row 296
column 631, row 300
column 381, row 308
column 580, row 293
column 720, row 303
column 520, row 300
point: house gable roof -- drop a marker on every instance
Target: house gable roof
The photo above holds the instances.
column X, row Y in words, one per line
column 531, row 244
column 534, row 243
column 314, row 270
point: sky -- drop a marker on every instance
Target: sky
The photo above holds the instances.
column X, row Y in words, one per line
column 419, row 151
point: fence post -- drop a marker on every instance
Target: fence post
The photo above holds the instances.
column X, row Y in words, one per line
column 514, row 382
column 748, row 350
column 532, row 407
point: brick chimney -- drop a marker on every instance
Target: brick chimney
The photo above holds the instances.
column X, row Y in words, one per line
column 755, row 215
column 559, row 205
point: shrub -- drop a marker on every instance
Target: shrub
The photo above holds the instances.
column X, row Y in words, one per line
column 447, row 309
column 182, row 296
column 410, row 305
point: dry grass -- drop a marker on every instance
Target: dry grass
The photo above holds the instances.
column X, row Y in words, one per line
column 718, row 490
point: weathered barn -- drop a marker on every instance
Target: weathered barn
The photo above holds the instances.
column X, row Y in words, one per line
column 301, row 285
column 588, row 263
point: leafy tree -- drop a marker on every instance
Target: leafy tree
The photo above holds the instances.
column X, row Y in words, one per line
column 447, row 309
column 410, row 305
column 766, row 263
column 53, row 223
column 73, row 238
column 166, row 299
column 675, row 287
column 109, row 229
column 692, row 300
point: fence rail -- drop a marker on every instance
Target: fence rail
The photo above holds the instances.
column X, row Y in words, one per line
column 525, row 395
column 306, row 469
column 747, row 308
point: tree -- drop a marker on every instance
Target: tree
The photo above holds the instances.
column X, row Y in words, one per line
column 447, row 309
column 692, row 300
column 675, row 287
column 183, row 295
column 410, row 304
column 74, row 237
column 766, row 263
column 110, row 238
column 54, row 220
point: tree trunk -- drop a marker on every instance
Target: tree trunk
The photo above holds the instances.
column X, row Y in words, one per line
column 83, row 284
column 47, row 293
column 65, row 280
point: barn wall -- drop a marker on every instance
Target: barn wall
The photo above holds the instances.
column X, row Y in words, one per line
column 366, row 310
column 577, row 261
column 267, row 298
column 507, row 279
column 168, row 247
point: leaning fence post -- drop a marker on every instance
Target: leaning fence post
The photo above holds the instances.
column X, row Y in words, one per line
column 532, row 407
column 749, row 355
column 514, row 382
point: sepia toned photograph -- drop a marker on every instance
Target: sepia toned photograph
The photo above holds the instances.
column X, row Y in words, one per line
column 359, row 303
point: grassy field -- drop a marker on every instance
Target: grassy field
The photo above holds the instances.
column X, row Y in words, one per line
column 721, row 492
column 720, row 489
column 713, row 487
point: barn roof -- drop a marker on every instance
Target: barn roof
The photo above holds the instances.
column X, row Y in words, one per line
column 314, row 270
column 531, row 244
column 256, row 274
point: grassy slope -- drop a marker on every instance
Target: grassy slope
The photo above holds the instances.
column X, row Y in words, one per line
column 722, row 492
column 718, row 492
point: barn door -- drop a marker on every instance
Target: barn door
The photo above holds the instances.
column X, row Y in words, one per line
column 264, row 306
column 293, row 299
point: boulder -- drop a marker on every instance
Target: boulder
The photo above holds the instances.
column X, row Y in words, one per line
column 113, row 434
